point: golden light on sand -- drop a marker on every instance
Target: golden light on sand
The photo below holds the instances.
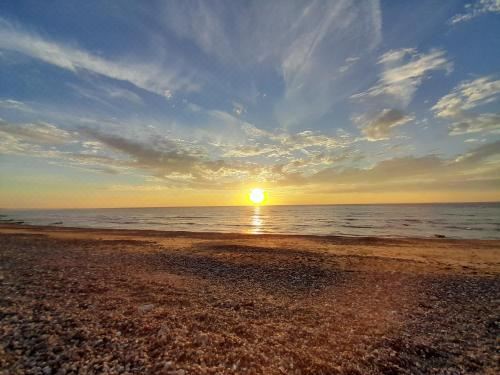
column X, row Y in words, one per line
column 257, row 196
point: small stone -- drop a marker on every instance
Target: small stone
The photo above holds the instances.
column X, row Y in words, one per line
column 145, row 308
column 168, row 365
column 47, row 370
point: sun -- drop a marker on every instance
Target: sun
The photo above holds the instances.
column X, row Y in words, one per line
column 257, row 196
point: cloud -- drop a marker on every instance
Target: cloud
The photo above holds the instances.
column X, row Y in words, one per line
column 306, row 139
column 162, row 157
column 305, row 166
column 174, row 161
column 121, row 93
column 103, row 93
column 403, row 72
column 273, row 144
column 265, row 31
column 284, row 144
column 479, row 154
column 481, row 123
column 473, row 10
column 394, row 56
column 304, row 42
column 381, row 126
column 243, row 151
column 14, row 105
column 467, row 96
column 311, row 85
column 47, row 141
column 478, row 168
column 349, row 62
column 159, row 79
column 327, row 167
column 39, row 133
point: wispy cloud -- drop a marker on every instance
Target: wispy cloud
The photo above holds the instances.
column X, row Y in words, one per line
column 479, row 123
column 349, row 62
column 173, row 163
column 311, row 86
column 467, row 96
column 473, row 10
column 256, row 90
column 103, row 93
column 162, row 157
column 305, row 42
column 403, row 71
column 266, row 31
column 382, row 125
column 41, row 132
column 14, row 105
column 476, row 169
column 160, row 79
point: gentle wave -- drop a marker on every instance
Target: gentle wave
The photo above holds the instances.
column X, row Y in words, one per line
column 449, row 220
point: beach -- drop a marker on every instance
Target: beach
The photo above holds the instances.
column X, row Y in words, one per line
column 78, row 301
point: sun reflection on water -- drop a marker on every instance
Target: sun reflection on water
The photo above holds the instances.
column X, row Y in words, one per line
column 256, row 222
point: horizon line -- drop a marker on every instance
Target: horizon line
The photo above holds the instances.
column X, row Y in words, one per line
column 250, row 205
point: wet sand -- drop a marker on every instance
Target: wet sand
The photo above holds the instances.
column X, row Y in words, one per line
column 114, row 301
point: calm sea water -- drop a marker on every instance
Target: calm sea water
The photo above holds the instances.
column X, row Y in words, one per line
column 471, row 220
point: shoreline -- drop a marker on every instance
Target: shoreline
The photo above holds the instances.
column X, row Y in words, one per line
column 472, row 254
column 147, row 302
column 229, row 235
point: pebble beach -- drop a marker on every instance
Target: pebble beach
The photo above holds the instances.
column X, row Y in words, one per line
column 88, row 301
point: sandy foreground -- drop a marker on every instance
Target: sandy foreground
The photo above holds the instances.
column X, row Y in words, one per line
column 145, row 302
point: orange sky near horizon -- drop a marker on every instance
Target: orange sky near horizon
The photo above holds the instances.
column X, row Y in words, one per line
column 31, row 197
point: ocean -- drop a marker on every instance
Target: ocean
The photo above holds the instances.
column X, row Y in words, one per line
column 467, row 220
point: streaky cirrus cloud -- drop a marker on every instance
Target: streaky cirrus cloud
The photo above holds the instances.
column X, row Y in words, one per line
column 40, row 132
column 403, row 71
column 162, row 79
column 16, row 105
column 473, row 10
column 266, row 32
column 299, row 40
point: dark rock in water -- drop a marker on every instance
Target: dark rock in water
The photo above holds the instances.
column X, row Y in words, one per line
column 439, row 236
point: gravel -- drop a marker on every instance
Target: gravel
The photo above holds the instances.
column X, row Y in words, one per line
column 85, row 306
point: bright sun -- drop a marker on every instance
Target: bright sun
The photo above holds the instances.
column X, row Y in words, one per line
column 257, row 196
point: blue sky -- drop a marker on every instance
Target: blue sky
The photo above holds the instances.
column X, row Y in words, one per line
column 330, row 99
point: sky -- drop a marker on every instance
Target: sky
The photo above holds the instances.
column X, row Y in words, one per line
column 173, row 103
